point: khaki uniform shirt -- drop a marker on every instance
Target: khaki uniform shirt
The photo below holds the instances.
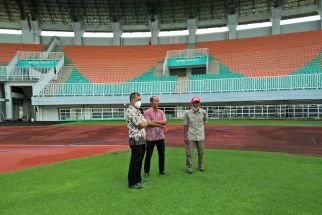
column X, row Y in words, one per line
column 195, row 121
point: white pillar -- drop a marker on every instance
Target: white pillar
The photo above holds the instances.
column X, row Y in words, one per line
column 30, row 32
column 276, row 15
column 78, row 32
column 192, row 28
column 116, row 26
column 232, row 26
column 9, row 105
column 2, row 104
column 38, row 113
column 320, row 12
column 154, row 27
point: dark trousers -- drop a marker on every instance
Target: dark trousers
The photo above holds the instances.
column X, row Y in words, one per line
column 150, row 147
column 137, row 155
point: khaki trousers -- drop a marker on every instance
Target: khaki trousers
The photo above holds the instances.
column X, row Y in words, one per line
column 189, row 152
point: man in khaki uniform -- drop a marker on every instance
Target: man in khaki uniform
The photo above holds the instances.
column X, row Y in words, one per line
column 194, row 133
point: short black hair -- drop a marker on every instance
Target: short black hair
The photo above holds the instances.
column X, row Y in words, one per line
column 152, row 97
column 132, row 95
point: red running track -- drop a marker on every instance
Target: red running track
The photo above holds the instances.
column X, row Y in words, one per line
column 27, row 146
column 16, row 157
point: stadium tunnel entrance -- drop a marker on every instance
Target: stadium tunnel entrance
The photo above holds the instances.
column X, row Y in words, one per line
column 18, row 106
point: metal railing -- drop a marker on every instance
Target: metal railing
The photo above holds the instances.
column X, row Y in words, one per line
column 22, row 73
column 275, row 83
column 188, row 53
column 27, row 55
column 51, row 44
column 298, row 111
column 12, row 64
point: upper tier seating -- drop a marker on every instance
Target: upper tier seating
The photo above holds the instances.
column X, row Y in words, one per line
column 267, row 56
column 106, row 64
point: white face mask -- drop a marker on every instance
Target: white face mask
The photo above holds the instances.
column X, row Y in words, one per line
column 195, row 109
column 137, row 104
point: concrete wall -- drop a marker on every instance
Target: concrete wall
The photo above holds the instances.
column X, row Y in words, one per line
column 254, row 32
column 98, row 41
column 51, row 113
column 8, row 38
column 173, row 40
column 300, row 27
column 47, row 113
column 184, row 98
column 135, row 41
column 212, row 37
column 63, row 40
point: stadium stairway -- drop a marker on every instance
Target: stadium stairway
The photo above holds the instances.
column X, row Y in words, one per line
column 65, row 73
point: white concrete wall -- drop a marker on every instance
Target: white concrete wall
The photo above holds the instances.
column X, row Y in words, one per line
column 182, row 98
column 300, row 27
column 9, row 38
column 63, row 40
column 212, row 37
column 173, row 40
column 254, row 32
column 97, row 41
column 47, row 113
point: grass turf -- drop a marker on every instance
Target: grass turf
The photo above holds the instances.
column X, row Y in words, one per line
column 240, row 122
column 235, row 182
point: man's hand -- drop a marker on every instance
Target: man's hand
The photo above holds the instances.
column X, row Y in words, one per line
column 143, row 124
column 165, row 129
column 162, row 122
column 185, row 132
column 186, row 140
column 151, row 123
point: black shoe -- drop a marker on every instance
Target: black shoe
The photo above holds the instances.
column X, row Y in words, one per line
column 201, row 170
column 135, row 187
column 162, row 173
column 146, row 175
column 189, row 172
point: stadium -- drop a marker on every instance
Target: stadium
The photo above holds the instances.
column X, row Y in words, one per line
column 67, row 68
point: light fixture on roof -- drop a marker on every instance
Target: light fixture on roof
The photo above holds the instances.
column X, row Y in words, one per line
column 300, row 20
column 10, row 31
column 98, row 34
column 57, row 33
column 253, row 25
column 212, row 30
column 173, row 33
column 136, row 34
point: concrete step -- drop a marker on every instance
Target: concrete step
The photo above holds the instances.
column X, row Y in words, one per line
column 159, row 69
column 213, row 67
column 64, row 74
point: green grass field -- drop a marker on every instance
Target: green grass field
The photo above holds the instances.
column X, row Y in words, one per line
column 245, row 122
column 235, row 182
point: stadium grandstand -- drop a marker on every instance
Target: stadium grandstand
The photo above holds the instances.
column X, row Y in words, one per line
column 79, row 60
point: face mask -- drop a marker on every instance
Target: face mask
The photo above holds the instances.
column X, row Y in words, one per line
column 195, row 109
column 137, row 104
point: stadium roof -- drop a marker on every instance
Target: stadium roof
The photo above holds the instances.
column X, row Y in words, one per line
column 136, row 12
